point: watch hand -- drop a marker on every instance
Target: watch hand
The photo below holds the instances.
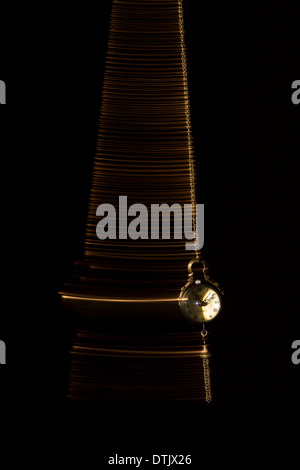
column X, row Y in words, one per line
column 211, row 297
column 202, row 302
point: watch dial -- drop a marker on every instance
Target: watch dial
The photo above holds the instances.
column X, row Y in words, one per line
column 201, row 303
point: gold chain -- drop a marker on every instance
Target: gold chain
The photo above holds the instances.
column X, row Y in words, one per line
column 188, row 126
column 207, row 382
column 206, row 369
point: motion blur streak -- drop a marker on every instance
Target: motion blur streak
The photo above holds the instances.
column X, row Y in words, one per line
column 138, row 371
column 123, row 291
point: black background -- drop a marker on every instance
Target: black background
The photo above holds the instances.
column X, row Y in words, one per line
column 242, row 60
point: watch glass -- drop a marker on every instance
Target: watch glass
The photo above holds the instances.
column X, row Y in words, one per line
column 200, row 302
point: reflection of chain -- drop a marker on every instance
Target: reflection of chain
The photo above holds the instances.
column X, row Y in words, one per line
column 207, row 383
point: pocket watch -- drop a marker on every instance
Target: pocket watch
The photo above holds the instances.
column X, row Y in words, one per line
column 200, row 298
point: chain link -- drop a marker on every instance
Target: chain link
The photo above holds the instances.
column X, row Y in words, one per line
column 207, row 382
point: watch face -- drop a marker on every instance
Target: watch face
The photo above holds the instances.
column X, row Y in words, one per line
column 200, row 302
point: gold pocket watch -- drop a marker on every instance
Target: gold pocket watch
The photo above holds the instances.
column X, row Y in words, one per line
column 200, row 302
column 200, row 299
